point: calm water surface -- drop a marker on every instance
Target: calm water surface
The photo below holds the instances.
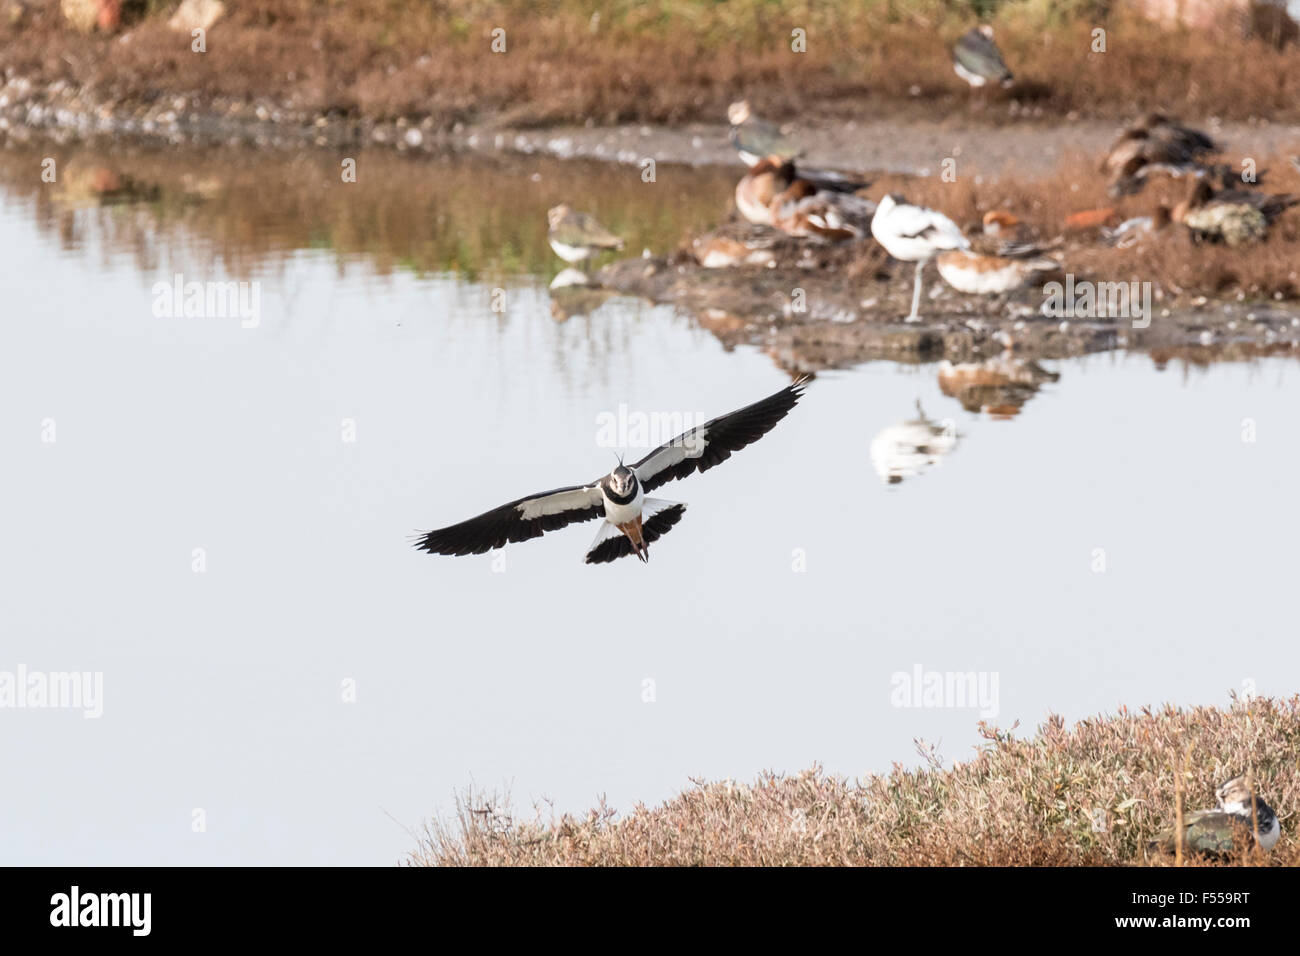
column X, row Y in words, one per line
column 768, row 628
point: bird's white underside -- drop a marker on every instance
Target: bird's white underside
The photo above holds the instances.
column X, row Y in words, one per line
column 974, row 79
column 1009, row 277
column 616, row 513
column 572, row 253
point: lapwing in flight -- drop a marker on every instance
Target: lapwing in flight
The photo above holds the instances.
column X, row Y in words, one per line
column 631, row 521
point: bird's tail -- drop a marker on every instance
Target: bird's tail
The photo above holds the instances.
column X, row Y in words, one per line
column 618, row 541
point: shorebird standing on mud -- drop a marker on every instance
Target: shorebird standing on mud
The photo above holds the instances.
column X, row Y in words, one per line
column 631, row 520
column 914, row 234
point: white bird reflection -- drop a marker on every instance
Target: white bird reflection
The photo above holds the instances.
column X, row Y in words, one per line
column 908, row 448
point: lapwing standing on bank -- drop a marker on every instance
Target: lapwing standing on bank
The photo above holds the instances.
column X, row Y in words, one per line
column 576, row 236
column 914, row 234
column 1212, row 832
column 754, row 138
column 978, row 61
column 631, row 520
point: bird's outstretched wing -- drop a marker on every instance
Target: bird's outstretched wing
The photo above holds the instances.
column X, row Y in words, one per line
column 519, row 520
column 713, row 442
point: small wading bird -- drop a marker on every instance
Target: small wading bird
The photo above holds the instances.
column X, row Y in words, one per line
column 756, row 138
column 631, row 520
column 576, row 236
column 914, row 234
column 977, row 59
column 1212, row 832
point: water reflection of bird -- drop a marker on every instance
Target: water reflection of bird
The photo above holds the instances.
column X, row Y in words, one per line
column 914, row 234
column 631, row 520
column 999, row 386
column 755, row 138
column 977, row 59
column 1215, row 832
column 908, row 448
column 575, row 298
column 576, row 236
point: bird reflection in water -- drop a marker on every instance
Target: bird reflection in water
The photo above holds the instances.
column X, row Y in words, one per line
column 999, row 386
column 909, row 448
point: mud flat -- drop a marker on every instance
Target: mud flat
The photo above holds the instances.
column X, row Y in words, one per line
column 847, row 307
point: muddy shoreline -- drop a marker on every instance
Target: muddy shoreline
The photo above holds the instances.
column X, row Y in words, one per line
column 986, row 144
column 845, row 321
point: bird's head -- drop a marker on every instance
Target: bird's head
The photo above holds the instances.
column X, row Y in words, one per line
column 622, row 480
column 738, row 112
column 998, row 220
column 555, row 215
column 1234, row 794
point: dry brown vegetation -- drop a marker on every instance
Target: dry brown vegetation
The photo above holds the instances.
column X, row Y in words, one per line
column 1090, row 795
column 664, row 60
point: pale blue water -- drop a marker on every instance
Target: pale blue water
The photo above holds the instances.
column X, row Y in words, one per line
column 223, row 690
